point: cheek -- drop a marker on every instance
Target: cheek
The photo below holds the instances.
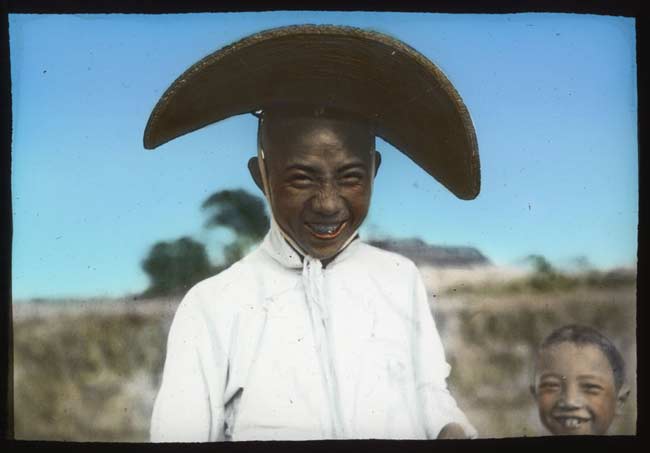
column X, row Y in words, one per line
column 545, row 402
column 358, row 200
column 287, row 200
column 603, row 407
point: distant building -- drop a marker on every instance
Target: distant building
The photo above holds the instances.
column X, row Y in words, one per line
column 422, row 253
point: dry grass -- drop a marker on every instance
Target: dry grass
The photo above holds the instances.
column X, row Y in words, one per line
column 90, row 371
column 443, row 279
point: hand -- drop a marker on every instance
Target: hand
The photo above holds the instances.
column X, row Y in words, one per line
column 452, row 431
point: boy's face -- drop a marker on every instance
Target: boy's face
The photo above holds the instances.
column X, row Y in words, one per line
column 320, row 172
column 575, row 389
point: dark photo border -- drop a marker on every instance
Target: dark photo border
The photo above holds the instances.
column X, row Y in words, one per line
column 614, row 8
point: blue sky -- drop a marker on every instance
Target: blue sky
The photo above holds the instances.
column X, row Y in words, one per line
column 552, row 97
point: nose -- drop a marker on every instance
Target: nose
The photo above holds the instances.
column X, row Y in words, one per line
column 571, row 397
column 327, row 202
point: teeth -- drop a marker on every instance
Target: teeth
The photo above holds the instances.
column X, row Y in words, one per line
column 571, row 422
column 324, row 229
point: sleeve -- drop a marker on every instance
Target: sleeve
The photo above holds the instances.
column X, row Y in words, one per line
column 438, row 407
column 185, row 410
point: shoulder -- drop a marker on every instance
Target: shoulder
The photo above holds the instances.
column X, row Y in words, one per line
column 384, row 269
column 222, row 294
column 222, row 282
column 394, row 284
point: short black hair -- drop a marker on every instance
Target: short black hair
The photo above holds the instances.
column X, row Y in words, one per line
column 584, row 335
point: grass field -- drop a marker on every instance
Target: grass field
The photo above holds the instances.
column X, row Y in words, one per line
column 89, row 371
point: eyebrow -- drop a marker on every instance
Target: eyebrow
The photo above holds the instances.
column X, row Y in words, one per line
column 591, row 376
column 305, row 168
column 351, row 166
column 310, row 169
column 550, row 375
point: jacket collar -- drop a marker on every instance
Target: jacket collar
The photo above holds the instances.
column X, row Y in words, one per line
column 277, row 246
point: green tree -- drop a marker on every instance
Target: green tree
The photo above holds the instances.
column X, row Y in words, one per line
column 175, row 266
column 541, row 265
column 546, row 278
column 582, row 264
column 242, row 213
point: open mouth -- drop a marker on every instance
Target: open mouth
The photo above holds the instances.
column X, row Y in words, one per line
column 571, row 422
column 326, row 230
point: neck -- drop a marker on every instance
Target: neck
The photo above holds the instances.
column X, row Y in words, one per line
column 324, row 261
column 301, row 254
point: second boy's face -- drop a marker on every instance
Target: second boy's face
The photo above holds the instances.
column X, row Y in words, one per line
column 575, row 389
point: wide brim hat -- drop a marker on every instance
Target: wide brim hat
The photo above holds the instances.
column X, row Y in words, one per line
column 410, row 102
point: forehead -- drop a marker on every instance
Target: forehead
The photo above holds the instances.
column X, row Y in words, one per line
column 290, row 138
column 571, row 360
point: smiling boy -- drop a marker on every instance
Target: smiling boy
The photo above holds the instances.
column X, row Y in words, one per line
column 579, row 382
column 315, row 334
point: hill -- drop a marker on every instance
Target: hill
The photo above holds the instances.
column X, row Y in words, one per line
column 424, row 254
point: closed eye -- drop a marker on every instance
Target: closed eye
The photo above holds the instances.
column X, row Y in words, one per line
column 300, row 180
column 549, row 386
column 592, row 389
column 351, row 178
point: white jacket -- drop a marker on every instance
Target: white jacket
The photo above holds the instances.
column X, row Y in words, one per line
column 251, row 357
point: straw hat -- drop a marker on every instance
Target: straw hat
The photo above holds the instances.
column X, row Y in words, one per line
column 409, row 101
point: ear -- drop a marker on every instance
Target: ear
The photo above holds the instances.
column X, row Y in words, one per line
column 533, row 391
column 621, row 398
column 254, row 169
column 377, row 161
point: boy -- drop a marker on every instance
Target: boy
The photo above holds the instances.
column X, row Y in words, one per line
column 579, row 382
column 315, row 335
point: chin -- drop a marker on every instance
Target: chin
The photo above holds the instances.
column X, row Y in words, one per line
column 324, row 249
